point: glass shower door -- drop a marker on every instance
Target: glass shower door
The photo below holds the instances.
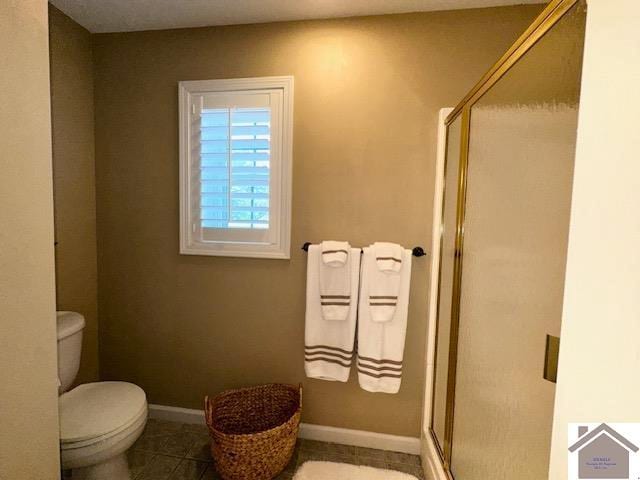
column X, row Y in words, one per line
column 516, row 221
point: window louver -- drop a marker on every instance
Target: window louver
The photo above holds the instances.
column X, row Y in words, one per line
column 234, row 167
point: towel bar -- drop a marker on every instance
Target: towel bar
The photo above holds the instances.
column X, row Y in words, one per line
column 416, row 251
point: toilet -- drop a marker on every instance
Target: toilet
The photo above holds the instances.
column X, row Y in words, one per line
column 99, row 421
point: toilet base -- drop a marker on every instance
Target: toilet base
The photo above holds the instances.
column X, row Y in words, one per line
column 116, row 468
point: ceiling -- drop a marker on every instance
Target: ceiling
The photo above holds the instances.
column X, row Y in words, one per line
column 132, row 15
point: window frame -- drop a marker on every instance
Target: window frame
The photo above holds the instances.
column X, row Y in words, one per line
column 281, row 172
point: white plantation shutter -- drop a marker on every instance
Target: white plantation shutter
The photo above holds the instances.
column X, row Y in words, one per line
column 234, row 170
column 238, row 169
column 234, row 159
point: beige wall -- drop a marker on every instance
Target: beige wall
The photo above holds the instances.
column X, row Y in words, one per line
column 74, row 179
column 601, row 318
column 28, row 373
column 367, row 95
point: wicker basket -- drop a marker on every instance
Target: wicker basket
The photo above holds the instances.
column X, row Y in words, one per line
column 254, row 430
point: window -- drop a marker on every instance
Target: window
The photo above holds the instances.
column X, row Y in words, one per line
column 235, row 167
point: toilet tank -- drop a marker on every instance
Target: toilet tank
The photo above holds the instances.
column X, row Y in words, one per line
column 69, row 325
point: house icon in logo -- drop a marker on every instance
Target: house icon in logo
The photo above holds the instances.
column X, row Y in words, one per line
column 603, row 453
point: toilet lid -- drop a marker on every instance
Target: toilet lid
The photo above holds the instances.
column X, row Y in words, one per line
column 95, row 409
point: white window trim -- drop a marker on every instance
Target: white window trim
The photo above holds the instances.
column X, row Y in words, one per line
column 188, row 244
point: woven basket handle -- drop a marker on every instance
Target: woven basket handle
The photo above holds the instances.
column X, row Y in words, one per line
column 208, row 411
column 300, row 388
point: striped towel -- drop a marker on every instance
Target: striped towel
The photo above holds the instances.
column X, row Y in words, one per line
column 388, row 256
column 381, row 342
column 329, row 343
column 384, row 280
column 335, row 280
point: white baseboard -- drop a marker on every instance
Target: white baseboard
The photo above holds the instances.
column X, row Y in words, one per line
column 346, row 436
column 176, row 414
column 360, row 438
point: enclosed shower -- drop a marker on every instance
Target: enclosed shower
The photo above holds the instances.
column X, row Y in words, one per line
column 506, row 204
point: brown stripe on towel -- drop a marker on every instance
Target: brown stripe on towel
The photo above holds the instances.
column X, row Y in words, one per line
column 334, row 251
column 381, row 304
column 383, row 297
column 331, row 354
column 379, row 375
column 328, row 360
column 379, row 369
column 348, row 297
column 342, row 304
column 389, row 258
column 379, row 361
column 328, row 347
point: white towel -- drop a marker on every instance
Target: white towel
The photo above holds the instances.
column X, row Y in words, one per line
column 334, row 253
column 335, row 280
column 384, row 280
column 388, row 256
column 381, row 343
column 328, row 348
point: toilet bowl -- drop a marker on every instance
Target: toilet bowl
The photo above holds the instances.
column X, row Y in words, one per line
column 99, row 421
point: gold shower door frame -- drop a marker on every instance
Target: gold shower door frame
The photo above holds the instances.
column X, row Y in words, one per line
column 549, row 17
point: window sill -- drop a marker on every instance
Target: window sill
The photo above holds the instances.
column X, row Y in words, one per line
column 237, row 250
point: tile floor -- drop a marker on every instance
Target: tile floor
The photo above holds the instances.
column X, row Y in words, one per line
column 176, row 451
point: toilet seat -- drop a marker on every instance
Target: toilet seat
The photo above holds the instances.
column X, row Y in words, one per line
column 94, row 412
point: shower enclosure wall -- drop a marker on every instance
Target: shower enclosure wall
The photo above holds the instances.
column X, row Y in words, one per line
column 508, row 174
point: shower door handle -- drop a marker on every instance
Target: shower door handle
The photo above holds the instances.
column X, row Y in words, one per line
column 551, row 353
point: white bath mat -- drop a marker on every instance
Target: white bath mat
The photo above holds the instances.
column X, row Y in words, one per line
column 344, row 471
